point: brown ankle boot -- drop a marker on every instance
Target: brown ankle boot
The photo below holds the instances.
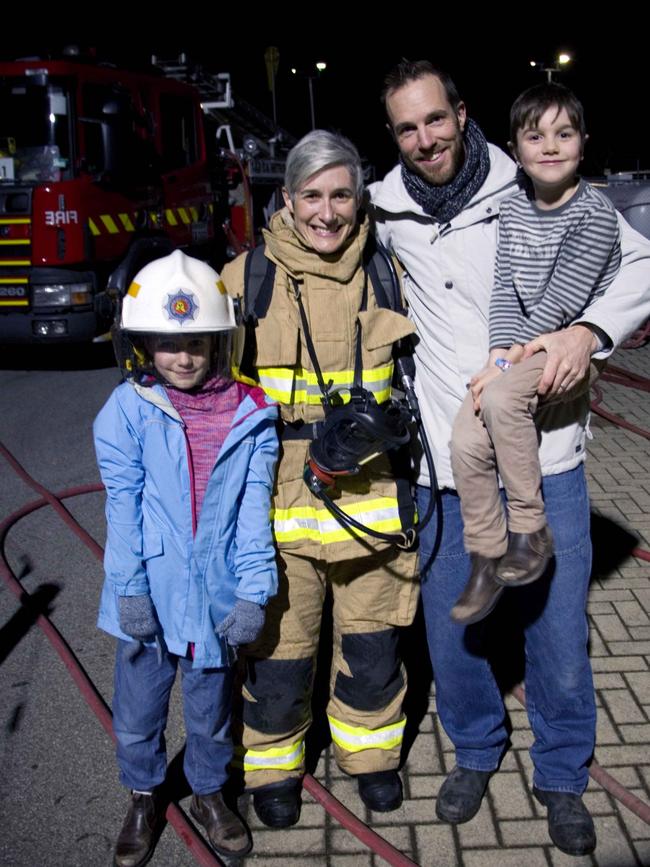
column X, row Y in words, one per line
column 226, row 832
column 481, row 592
column 526, row 559
column 140, row 831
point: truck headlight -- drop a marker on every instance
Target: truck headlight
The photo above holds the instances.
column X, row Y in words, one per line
column 62, row 294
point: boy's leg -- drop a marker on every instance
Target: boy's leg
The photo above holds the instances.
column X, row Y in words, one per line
column 140, row 705
column 508, row 405
column 475, row 475
column 507, row 408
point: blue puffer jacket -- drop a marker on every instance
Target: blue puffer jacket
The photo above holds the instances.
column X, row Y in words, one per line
column 193, row 579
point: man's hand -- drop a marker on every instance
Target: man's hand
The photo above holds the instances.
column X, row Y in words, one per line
column 568, row 356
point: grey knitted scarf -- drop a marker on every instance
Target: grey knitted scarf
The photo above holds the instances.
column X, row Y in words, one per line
column 446, row 201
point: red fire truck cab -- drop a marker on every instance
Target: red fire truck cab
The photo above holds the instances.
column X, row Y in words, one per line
column 92, row 158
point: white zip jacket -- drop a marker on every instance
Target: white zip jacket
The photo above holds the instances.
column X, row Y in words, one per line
column 448, row 282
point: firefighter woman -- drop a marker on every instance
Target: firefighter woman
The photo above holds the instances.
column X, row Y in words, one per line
column 320, row 329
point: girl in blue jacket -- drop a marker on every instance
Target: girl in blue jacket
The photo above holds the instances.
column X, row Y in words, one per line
column 187, row 457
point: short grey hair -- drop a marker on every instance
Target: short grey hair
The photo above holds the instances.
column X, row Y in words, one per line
column 319, row 150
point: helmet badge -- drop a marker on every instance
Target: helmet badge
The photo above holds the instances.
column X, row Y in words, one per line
column 181, row 306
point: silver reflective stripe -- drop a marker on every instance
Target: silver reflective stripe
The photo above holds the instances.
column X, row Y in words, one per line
column 285, row 758
column 355, row 739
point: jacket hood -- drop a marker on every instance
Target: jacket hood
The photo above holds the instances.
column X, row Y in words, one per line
column 390, row 194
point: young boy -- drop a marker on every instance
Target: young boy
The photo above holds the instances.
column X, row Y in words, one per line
column 187, row 457
column 558, row 249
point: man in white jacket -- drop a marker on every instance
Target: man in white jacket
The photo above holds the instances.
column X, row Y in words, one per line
column 437, row 211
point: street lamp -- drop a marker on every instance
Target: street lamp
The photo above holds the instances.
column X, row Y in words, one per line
column 320, row 67
column 561, row 60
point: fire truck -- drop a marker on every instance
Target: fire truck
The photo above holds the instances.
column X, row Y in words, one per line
column 96, row 161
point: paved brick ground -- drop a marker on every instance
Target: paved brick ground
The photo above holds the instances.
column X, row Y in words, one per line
column 510, row 829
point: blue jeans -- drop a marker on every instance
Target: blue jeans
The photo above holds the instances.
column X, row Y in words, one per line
column 559, row 686
column 140, row 705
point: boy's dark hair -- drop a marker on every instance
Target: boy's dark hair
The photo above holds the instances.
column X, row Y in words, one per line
column 530, row 105
column 412, row 70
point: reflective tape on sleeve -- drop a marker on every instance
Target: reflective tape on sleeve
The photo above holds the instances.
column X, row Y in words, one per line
column 354, row 739
column 274, row 759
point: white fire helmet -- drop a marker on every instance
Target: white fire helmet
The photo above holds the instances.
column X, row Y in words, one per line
column 177, row 295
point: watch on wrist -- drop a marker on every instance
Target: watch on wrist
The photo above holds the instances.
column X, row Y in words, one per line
column 503, row 364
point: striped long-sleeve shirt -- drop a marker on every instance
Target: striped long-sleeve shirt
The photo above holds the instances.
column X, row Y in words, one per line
column 551, row 264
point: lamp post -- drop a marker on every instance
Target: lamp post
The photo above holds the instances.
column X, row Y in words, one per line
column 320, row 67
column 561, row 60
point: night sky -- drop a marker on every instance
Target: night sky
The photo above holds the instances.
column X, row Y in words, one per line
column 490, row 68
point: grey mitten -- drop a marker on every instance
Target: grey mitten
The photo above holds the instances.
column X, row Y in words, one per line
column 137, row 617
column 243, row 624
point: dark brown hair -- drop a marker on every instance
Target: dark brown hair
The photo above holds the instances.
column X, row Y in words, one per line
column 412, row 70
column 530, row 105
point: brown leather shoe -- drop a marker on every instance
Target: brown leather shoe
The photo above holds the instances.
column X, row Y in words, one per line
column 526, row 559
column 481, row 592
column 226, row 832
column 140, row 831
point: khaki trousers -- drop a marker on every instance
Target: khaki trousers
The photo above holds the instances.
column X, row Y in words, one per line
column 502, row 440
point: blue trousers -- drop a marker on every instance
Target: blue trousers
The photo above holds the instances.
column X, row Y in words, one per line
column 140, row 705
column 559, row 685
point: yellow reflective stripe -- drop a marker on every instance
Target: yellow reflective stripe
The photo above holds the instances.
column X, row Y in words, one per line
column 109, row 222
column 355, row 739
column 15, row 241
column 8, row 263
column 185, row 217
column 19, row 302
column 275, row 758
column 20, row 280
column 171, row 217
column 297, row 385
column 125, row 219
column 93, row 228
column 15, row 221
column 318, row 524
column 338, row 535
column 195, row 214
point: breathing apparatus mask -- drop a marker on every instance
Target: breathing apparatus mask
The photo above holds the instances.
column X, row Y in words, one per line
column 356, row 430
